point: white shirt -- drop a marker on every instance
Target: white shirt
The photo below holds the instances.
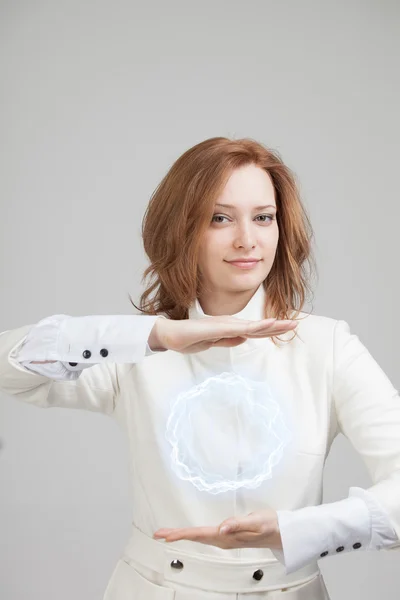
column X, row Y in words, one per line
column 308, row 532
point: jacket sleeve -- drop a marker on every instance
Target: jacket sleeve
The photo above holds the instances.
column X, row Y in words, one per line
column 354, row 524
column 367, row 409
column 44, row 337
column 97, row 388
column 368, row 413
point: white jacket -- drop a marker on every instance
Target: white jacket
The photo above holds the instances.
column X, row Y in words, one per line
column 325, row 379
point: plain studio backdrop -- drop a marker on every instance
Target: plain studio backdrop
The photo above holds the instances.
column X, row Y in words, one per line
column 97, row 100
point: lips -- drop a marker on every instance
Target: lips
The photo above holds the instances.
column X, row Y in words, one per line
column 245, row 260
column 244, row 264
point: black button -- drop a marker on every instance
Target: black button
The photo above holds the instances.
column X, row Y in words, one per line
column 258, row 574
column 104, row 352
column 324, row 553
column 176, row 564
column 340, row 549
column 357, row 545
column 73, row 364
column 86, row 354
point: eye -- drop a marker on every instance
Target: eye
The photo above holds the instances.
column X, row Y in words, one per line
column 266, row 219
column 270, row 217
column 218, row 216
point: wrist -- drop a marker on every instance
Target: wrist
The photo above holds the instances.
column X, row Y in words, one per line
column 276, row 541
column 154, row 340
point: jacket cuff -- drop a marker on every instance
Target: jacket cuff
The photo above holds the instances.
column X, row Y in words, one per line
column 89, row 339
column 382, row 533
column 315, row 532
column 149, row 351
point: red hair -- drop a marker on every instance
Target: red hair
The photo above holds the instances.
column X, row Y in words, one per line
column 181, row 208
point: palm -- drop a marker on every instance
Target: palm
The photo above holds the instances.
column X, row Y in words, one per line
column 258, row 529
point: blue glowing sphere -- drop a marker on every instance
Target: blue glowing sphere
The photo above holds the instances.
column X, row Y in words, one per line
column 226, row 433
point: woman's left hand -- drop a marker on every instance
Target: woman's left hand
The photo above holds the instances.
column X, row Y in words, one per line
column 259, row 529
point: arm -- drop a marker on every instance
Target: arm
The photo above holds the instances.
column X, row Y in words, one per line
column 105, row 342
column 45, row 339
column 97, row 387
column 357, row 523
column 88, row 340
column 368, row 414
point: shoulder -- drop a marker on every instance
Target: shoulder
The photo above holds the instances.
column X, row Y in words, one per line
column 318, row 330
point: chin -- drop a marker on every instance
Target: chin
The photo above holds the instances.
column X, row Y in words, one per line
column 244, row 283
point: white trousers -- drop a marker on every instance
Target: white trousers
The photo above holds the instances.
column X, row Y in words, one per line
column 145, row 572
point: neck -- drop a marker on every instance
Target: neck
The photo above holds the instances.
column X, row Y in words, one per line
column 225, row 303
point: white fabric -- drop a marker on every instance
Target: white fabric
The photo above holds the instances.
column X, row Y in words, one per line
column 65, row 338
column 51, row 336
column 307, row 532
column 327, row 381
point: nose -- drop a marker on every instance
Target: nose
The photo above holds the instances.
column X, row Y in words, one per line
column 245, row 237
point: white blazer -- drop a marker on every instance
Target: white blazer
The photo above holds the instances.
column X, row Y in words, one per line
column 324, row 381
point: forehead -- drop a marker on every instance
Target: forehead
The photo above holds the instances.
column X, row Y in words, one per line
column 247, row 186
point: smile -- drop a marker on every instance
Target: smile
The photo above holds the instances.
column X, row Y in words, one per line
column 244, row 265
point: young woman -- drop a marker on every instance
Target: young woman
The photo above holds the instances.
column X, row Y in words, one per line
column 231, row 393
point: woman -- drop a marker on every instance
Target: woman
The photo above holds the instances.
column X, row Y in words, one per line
column 194, row 380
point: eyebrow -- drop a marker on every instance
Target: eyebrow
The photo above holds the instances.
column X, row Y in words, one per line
column 255, row 208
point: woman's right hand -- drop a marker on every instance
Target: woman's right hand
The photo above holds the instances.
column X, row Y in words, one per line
column 194, row 335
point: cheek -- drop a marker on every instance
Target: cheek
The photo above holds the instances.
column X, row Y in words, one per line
column 211, row 248
column 270, row 241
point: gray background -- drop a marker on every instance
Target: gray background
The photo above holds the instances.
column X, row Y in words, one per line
column 97, row 100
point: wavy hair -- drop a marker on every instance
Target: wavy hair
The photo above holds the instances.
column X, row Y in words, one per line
column 180, row 211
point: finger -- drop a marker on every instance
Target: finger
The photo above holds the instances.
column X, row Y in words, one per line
column 271, row 333
column 274, row 324
column 162, row 532
column 247, row 524
column 278, row 326
column 187, row 533
column 240, row 327
column 229, row 342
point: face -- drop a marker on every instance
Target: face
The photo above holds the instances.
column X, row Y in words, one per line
column 245, row 227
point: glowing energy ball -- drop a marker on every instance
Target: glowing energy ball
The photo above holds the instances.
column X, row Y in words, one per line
column 226, row 433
